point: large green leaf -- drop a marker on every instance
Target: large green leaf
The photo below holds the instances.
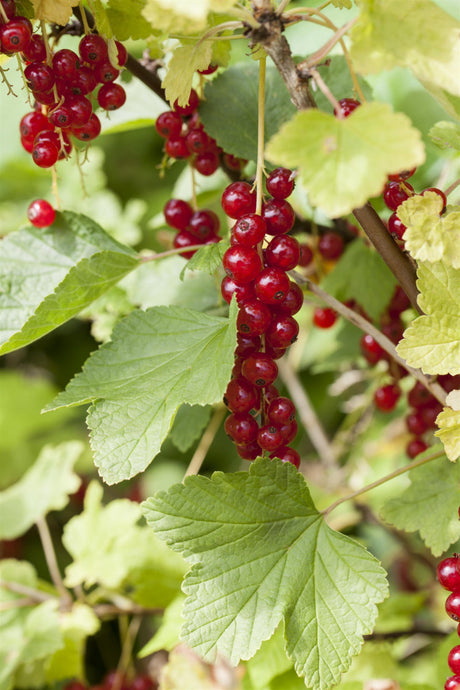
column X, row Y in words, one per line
column 156, row 360
column 182, row 16
column 344, row 162
column 360, row 267
column 261, row 552
column 45, row 486
column 432, row 341
column 434, row 490
column 419, row 35
column 47, row 276
column 230, row 110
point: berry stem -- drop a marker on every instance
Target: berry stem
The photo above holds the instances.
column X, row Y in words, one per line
column 260, row 136
column 51, row 561
column 54, row 187
column 129, row 637
column 49, row 56
column 364, row 325
column 194, row 199
column 84, row 19
column 206, row 440
column 3, row 14
column 169, row 252
column 6, row 82
column 452, row 187
column 382, row 480
column 326, row 91
column 21, row 69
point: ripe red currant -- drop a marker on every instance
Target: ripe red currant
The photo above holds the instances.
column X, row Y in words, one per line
column 191, row 106
column 386, row 397
column 415, row 447
column 242, row 264
column 287, row 454
column 330, row 245
column 269, row 437
column 242, row 292
column 281, row 411
column 41, row 214
column 238, row 199
column 259, row 369
column 453, row 605
column 279, row 216
column 280, row 183
column 169, row 124
column 283, row 252
column 249, row 230
column 111, row 96
column 253, row 317
column 282, row 332
column 271, row 285
column 347, row 106
column 448, row 573
column 324, row 317
column 394, row 194
column 241, row 427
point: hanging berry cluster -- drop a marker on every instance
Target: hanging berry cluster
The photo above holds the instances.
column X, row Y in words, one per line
column 267, row 301
column 449, row 578
column 194, row 227
column 64, row 85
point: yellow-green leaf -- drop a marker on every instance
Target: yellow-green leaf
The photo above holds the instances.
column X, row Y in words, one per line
column 429, row 236
column 448, row 422
column 181, row 69
column 432, row 341
column 57, row 11
column 182, row 16
column 342, row 163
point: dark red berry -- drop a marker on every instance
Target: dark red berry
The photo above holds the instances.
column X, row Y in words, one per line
column 283, row 252
column 399, row 302
column 81, row 109
column 293, row 301
column 371, row 350
column 395, row 227
column 84, row 84
column 9, row 9
column 448, row 574
column 177, row 214
column 280, row 183
column 234, row 163
column 209, row 70
column 415, row 424
column 105, row 72
column 452, row 683
column 288, row 431
column 242, row 264
column 169, row 125
column 241, row 427
column 88, row 131
column 347, row 106
column 249, row 230
column 184, row 239
column 41, row 214
column 203, row 223
column 330, row 245
column 306, row 255
column 32, row 123
column 419, row 396
column 287, row 454
column 59, row 141
column 111, row 96
column 394, row 194
column 415, row 447
column 386, row 397
column 66, row 64
column 324, row 317
column 45, row 154
column 259, row 369
column 439, row 192
column 453, row 606
column 35, row 51
column 279, row 216
column 238, row 199
column 177, row 148
column 271, row 285
column 253, row 317
column 242, row 293
column 191, row 106
column 61, row 116
column 449, row 382
column 206, row 163
column 269, row 437
column 403, row 175
column 15, row 35
column 282, row 332
column 247, row 345
column 393, row 330
column 281, row 411
column 429, row 414
column 249, row 452
column 197, row 140
column 93, row 49
column 39, row 77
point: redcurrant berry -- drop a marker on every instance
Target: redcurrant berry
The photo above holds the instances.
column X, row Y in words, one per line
column 283, row 252
column 259, row 369
column 41, row 214
column 169, row 124
column 279, row 216
column 281, row 411
column 280, row 183
column 253, row 317
column 347, row 106
column 330, row 245
column 238, row 199
column 241, row 427
column 415, row 447
column 394, row 194
column 249, row 230
column 324, row 317
column 271, row 285
column 448, row 574
column 386, row 397
column 191, row 106
column 242, row 264
column 287, row 454
column 111, row 96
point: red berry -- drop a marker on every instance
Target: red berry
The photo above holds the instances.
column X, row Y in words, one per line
column 395, row 227
column 35, row 51
column 288, row 431
column 197, row 140
column 238, row 199
column 347, row 106
column 242, row 264
column 324, row 317
column 429, row 414
column 280, row 183
column 177, row 213
column 105, row 72
column 84, row 84
column 306, row 255
column 9, row 8
column 453, row 606
column 281, row 411
column 419, row 396
column 247, row 345
column 393, row 330
column 41, row 214
column 271, row 285
column 15, row 35
column 452, row 683
column 204, row 223
column 89, row 131
column 111, row 96
column 279, row 216
column 253, row 317
column 330, row 245
column 206, row 163
column 177, row 148
column 191, row 106
column 283, row 252
column 399, row 302
column 241, row 427
column 45, row 154
column 61, row 116
column 269, row 437
column 415, row 447
column 449, row 382
column 386, row 397
column 249, row 452
column 282, row 332
column 242, row 292
column 371, row 350
column 259, row 369
column 81, row 109
column 249, row 230
column 122, row 54
column 415, row 424
column 66, row 64
column 184, row 239
column 209, row 70
column 394, row 194
column 403, row 175
column 31, row 124
column 440, row 193
column 448, row 575
column 234, row 163
column 293, row 301
column 287, row 454
column 93, row 49
column 39, row 77
column 169, row 125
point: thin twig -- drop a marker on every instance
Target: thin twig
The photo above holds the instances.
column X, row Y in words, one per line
column 325, row 89
column 126, row 651
column 103, row 610
column 17, row 604
column 382, row 480
column 51, row 561
column 396, row 634
column 453, row 186
column 282, row 6
column 260, row 136
column 34, row 594
column 364, row 325
column 170, row 252
column 307, row 414
column 205, row 442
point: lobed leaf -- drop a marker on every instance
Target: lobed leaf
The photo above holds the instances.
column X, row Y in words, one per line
column 448, row 422
column 260, row 553
column 186, row 60
column 446, row 135
column 54, row 11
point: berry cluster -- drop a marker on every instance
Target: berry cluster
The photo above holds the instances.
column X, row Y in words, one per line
column 449, row 577
column 194, row 227
column 186, row 138
column 62, row 84
column 115, row 680
column 267, row 300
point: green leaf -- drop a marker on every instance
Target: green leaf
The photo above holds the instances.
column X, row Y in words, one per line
column 45, row 486
column 261, row 552
column 336, row 73
column 342, row 4
column 446, row 135
column 430, row 236
column 423, row 38
column 432, row 341
column 434, row 490
column 207, row 259
column 359, row 267
column 47, row 276
column 167, row 635
column 448, row 422
column 76, row 626
column 342, row 163
column 186, row 60
column 155, row 361
column 229, row 113
column 126, row 19
column 101, row 18
column 182, row 16
column 270, row 661
column 188, row 425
